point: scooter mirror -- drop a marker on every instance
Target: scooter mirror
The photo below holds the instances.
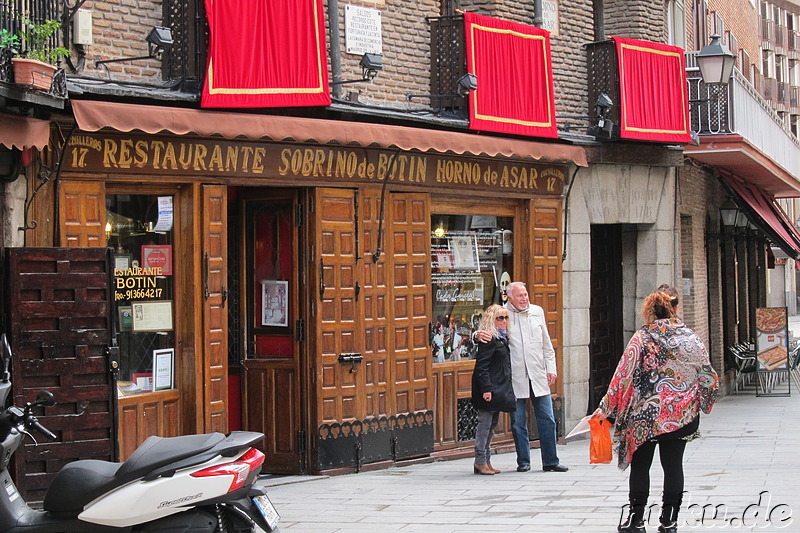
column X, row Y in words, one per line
column 45, row 398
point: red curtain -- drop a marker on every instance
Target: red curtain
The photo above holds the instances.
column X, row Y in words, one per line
column 515, row 77
column 654, row 104
column 266, row 54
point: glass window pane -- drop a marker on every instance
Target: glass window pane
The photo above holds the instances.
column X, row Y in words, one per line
column 471, row 264
column 139, row 228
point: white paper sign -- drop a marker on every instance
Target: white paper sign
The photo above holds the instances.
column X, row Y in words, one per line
column 162, row 368
column 165, row 214
column 362, row 30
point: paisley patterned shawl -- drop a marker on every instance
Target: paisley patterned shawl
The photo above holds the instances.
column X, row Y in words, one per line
column 662, row 382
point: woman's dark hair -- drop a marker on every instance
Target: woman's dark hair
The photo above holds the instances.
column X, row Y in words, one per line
column 663, row 303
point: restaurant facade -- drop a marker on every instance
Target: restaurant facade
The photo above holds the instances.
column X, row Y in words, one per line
column 303, row 279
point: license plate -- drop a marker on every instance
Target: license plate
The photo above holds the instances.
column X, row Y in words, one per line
column 267, row 510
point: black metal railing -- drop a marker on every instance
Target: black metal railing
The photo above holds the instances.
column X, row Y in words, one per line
column 448, row 62
column 709, row 106
column 12, row 14
column 187, row 59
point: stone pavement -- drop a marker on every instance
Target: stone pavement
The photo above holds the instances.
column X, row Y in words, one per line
column 746, row 464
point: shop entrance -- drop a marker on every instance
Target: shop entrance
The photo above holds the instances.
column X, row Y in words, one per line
column 605, row 309
column 270, row 326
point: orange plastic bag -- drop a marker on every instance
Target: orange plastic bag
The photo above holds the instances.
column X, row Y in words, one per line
column 600, row 445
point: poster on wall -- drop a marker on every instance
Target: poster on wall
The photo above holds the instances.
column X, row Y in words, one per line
column 772, row 351
column 274, row 303
column 152, row 316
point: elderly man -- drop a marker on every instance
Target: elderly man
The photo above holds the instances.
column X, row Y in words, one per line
column 533, row 370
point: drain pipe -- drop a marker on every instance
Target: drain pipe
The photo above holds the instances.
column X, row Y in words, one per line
column 336, row 47
column 566, row 213
column 538, row 20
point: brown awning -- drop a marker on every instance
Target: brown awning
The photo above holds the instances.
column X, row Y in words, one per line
column 23, row 132
column 94, row 116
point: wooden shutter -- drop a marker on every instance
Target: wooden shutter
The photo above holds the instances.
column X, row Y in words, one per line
column 82, row 214
column 215, row 316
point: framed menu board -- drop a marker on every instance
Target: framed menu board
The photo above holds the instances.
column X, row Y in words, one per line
column 772, row 352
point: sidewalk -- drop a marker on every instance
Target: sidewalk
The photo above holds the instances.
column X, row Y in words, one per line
column 747, row 465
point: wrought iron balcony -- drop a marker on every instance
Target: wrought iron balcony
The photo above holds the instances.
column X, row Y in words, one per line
column 739, row 111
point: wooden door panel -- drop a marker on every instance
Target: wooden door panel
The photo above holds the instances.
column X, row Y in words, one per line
column 379, row 388
column 215, row 316
column 149, row 414
column 409, row 249
column 268, row 386
column 82, row 214
column 338, row 309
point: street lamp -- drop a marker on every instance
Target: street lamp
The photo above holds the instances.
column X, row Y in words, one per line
column 728, row 212
column 716, row 62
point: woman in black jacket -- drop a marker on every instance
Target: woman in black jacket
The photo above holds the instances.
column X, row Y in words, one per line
column 492, row 390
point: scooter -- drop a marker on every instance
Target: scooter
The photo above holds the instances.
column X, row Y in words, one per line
column 192, row 484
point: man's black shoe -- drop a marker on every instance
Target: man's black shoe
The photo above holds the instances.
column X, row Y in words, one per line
column 523, row 468
column 555, row 468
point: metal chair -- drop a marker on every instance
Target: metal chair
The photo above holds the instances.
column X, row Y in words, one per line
column 746, row 365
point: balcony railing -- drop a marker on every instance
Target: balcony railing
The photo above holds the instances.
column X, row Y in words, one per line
column 767, row 33
column 448, row 61
column 740, row 109
column 11, row 14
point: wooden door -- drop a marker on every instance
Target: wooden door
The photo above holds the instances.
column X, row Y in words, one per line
column 370, row 266
column 215, row 315
column 605, row 309
column 60, row 308
column 273, row 328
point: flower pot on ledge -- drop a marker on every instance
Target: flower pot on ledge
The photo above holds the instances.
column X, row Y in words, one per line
column 36, row 74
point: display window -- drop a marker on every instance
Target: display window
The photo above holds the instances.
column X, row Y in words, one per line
column 139, row 229
column 471, row 265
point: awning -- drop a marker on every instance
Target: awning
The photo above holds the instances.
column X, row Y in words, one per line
column 765, row 213
column 23, row 132
column 94, row 116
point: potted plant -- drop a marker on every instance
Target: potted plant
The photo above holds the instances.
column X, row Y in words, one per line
column 35, row 56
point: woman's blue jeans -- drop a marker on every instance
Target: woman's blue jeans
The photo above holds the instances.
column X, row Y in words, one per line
column 546, row 424
column 487, row 421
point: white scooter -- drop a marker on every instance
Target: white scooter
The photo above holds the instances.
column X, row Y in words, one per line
column 190, row 484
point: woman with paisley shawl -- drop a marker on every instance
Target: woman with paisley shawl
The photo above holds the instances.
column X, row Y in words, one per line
column 662, row 382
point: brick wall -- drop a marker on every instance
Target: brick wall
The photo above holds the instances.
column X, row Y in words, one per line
column 635, row 19
column 744, row 21
column 119, row 30
column 700, row 196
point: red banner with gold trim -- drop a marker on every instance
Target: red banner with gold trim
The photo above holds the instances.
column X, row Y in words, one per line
column 266, row 54
column 654, row 105
column 515, row 77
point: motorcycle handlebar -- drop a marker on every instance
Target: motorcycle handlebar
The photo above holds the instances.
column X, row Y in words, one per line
column 33, row 423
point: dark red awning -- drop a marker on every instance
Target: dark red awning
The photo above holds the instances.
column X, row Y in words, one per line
column 765, row 213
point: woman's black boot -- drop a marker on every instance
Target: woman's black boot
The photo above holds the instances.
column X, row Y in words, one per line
column 668, row 519
column 635, row 521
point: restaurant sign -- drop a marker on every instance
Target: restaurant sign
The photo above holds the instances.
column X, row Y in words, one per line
column 164, row 156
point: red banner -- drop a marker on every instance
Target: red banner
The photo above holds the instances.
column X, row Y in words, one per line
column 515, row 77
column 654, row 105
column 266, row 54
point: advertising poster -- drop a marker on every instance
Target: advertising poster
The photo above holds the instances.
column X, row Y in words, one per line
column 772, row 349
